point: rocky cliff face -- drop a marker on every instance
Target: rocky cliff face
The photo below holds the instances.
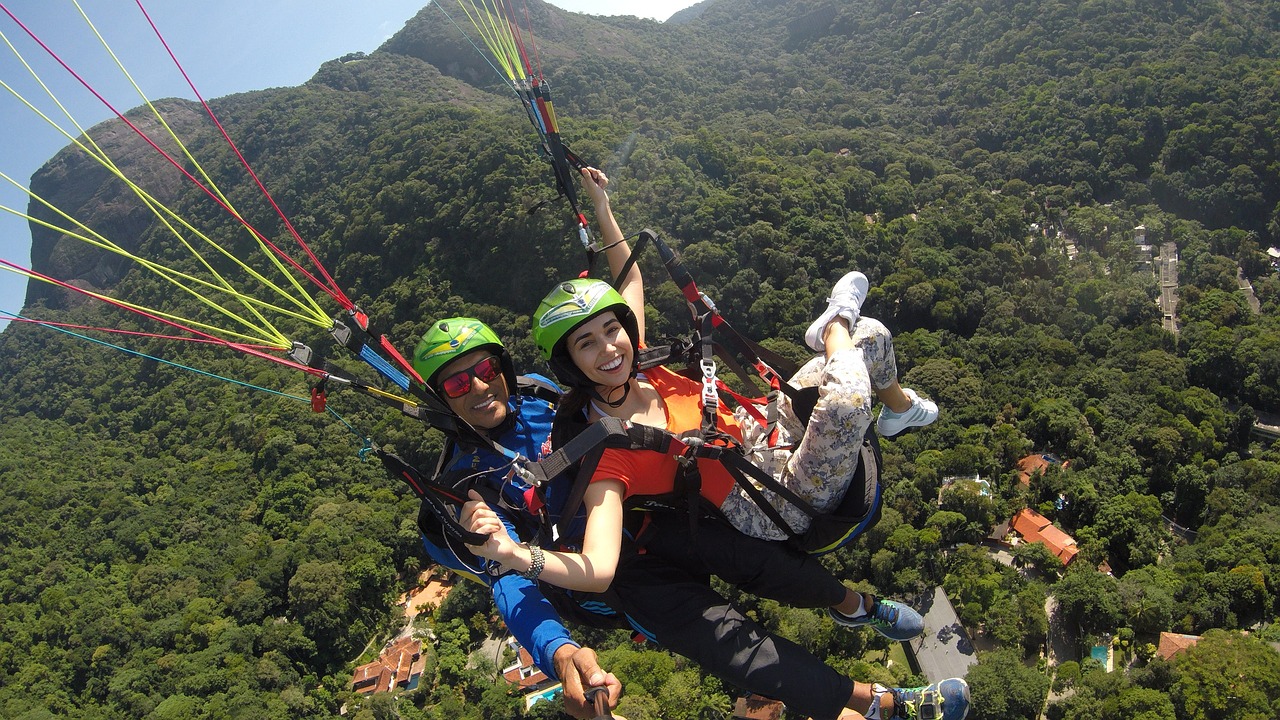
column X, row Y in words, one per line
column 85, row 189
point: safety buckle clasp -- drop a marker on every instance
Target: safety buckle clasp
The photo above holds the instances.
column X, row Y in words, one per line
column 710, row 398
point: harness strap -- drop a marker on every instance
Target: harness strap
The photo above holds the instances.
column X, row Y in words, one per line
column 587, row 447
column 758, row 497
column 436, row 497
column 744, row 472
column 707, row 363
column 596, row 434
column 645, row 237
column 770, row 366
column 688, row 479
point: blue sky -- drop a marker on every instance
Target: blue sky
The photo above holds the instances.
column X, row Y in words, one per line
column 227, row 46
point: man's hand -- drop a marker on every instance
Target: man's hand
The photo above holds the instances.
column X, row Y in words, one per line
column 580, row 671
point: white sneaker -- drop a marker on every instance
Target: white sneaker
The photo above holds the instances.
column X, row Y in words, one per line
column 921, row 413
column 845, row 301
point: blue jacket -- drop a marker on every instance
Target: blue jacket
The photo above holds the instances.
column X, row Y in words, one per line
column 527, row 613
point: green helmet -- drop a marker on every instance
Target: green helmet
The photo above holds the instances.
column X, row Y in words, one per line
column 454, row 337
column 567, row 306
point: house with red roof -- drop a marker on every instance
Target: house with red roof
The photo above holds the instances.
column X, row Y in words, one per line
column 400, row 665
column 1173, row 643
column 523, row 673
column 1031, row 526
column 1036, row 463
column 757, row 707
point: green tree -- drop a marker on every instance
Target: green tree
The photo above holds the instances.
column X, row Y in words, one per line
column 1227, row 675
column 1131, row 528
column 1087, row 600
column 1002, row 688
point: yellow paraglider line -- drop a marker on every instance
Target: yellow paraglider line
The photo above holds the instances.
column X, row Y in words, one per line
column 280, row 343
column 315, row 315
column 275, row 260
column 168, row 274
column 330, row 289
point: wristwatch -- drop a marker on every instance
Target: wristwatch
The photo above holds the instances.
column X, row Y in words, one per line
column 536, row 563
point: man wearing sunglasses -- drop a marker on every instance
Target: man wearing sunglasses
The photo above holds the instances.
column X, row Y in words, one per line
column 466, row 364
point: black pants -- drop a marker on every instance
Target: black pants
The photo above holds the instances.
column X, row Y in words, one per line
column 665, row 592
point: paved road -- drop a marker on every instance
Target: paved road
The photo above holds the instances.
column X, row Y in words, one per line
column 1246, row 287
column 1168, row 265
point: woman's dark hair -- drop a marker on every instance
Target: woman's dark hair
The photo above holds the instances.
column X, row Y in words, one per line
column 571, row 417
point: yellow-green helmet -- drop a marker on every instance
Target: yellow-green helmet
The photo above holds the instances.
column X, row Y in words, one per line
column 568, row 305
column 454, row 337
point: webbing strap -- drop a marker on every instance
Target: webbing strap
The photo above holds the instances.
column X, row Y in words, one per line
column 758, row 497
column 710, row 394
column 587, row 447
column 769, row 365
column 646, row 236
column 436, row 497
column 744, row 471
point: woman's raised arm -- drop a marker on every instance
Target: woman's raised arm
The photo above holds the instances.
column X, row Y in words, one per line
column 595, row 182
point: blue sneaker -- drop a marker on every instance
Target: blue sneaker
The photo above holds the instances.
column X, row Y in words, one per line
column 892, row 620
column 946, row 700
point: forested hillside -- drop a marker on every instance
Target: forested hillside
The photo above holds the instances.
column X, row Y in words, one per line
column 176, row 546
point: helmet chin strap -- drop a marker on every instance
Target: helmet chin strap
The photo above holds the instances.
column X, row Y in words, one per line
column 626, row 391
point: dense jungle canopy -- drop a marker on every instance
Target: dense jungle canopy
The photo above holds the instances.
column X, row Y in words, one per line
column 177, row 547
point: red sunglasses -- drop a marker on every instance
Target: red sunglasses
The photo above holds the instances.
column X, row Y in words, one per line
column 459, row 383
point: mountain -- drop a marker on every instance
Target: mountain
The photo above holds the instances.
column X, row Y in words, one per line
column 177, row 545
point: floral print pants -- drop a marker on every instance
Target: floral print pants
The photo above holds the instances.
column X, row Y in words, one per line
column 820, row 468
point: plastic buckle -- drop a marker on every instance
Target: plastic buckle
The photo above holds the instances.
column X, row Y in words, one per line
column 768, row 374
column 710, row 398
column 318, row 399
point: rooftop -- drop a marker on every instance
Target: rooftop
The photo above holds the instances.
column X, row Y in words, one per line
column 523, row 673
column 756, row 707
column 1034, row 527
column 1033, row 463
column 1173, row 643
column 944, row 649
column 400, row 664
